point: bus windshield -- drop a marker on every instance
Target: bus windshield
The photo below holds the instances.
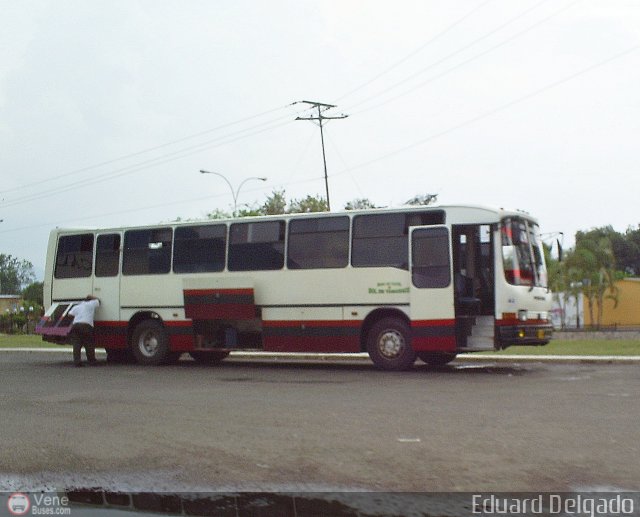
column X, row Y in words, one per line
column 523, row 253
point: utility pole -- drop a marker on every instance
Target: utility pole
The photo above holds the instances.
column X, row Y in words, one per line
column 322, row 107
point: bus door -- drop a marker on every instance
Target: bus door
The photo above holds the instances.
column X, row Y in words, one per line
column 431, row 289
column 106, row 279
column 474, row 293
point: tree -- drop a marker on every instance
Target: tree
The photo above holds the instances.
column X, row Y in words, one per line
column 276, row 204
column 307, row 205
column 218, row 214
column 33, row 293
column 359, row 204
column 14, row 274
column 627, row 251
column 423, row 199
column 592, row 264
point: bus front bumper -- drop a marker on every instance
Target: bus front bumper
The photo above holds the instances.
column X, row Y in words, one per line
column 524, row 334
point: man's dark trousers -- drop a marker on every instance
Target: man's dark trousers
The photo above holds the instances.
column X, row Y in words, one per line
column 82, row 335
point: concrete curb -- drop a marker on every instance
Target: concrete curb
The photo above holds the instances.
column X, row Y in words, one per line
column 303, row 356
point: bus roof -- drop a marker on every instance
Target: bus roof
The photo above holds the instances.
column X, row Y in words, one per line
column 455, row 214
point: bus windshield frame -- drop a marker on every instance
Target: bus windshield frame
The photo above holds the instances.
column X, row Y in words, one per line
column 523, row 253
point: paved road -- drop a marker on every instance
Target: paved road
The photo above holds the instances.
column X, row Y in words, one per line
column 247, row 425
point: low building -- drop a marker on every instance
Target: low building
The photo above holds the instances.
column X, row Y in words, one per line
column 10, row 303
column 626, row 313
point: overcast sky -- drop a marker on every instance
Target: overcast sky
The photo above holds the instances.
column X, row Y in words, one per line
column 108, row 109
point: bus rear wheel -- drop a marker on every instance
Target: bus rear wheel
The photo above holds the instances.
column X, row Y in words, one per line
column 389, row 345
column 150, row 343
column 208, row 357
column 437, row 358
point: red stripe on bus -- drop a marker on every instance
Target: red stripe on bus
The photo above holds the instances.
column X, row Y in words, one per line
column 220, row 311
column 114, row 323
column 311, row 323
column 433, row 323
column 178, row 323
column 315, row 344
column 201, row 292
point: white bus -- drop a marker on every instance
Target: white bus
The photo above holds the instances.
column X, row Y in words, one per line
column 400, row 284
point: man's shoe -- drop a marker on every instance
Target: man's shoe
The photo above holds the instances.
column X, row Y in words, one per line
column 78, row 364
column 93, row 363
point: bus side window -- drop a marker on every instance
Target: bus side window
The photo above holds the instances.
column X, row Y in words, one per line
column 380, row 240
column 107, row 255
column 318, row 243
column 256, row 246
column 430, row 257
column 147, row 252
column 199, row 249
column 74, row 258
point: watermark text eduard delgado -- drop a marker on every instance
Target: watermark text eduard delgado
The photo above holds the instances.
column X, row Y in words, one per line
column 580, row 505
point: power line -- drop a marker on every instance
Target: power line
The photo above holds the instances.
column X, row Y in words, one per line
column 493, row 111
column 137, row 167
column 146, row 150
column 86, row 217
column 466, row 61
column 320, row 118
column 450, row 55
column 416, row 51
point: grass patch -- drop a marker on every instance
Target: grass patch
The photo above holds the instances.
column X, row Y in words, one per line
column 621, row 347
column 24, row 341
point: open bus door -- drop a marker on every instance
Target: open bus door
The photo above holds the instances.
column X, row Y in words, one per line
column 474, row 286
column 431, row 292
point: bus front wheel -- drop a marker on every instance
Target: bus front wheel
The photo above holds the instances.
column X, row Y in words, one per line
column 150, row 343
column 389, row 344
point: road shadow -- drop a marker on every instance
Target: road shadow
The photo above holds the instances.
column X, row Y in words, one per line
column 283, row 364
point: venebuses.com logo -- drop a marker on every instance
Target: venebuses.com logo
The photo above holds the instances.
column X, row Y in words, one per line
column 18, row 504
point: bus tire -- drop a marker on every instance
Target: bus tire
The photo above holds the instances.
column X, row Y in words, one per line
column 150, row 343
column 437, row 358
column 208, row 357
column 389, row 345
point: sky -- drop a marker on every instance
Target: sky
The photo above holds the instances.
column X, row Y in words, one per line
column 109, row 109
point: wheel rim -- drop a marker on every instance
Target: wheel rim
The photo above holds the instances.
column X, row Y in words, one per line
column 148, row 343
column 390, row 343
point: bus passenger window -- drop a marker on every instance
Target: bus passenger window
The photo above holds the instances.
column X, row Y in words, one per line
column 318, row 243
column 381, row 239
column 256, row 246
column 199, row 249
column 147, row 252
column 74, row 258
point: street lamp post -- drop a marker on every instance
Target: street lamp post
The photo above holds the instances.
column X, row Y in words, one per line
column 236, row 192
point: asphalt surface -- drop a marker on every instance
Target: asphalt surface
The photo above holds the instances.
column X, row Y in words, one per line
column 253, row 424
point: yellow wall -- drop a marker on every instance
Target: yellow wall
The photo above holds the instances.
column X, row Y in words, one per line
column 9, row 303
column 628, row 310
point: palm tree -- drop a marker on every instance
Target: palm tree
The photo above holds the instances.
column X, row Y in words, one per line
column 593, row 261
